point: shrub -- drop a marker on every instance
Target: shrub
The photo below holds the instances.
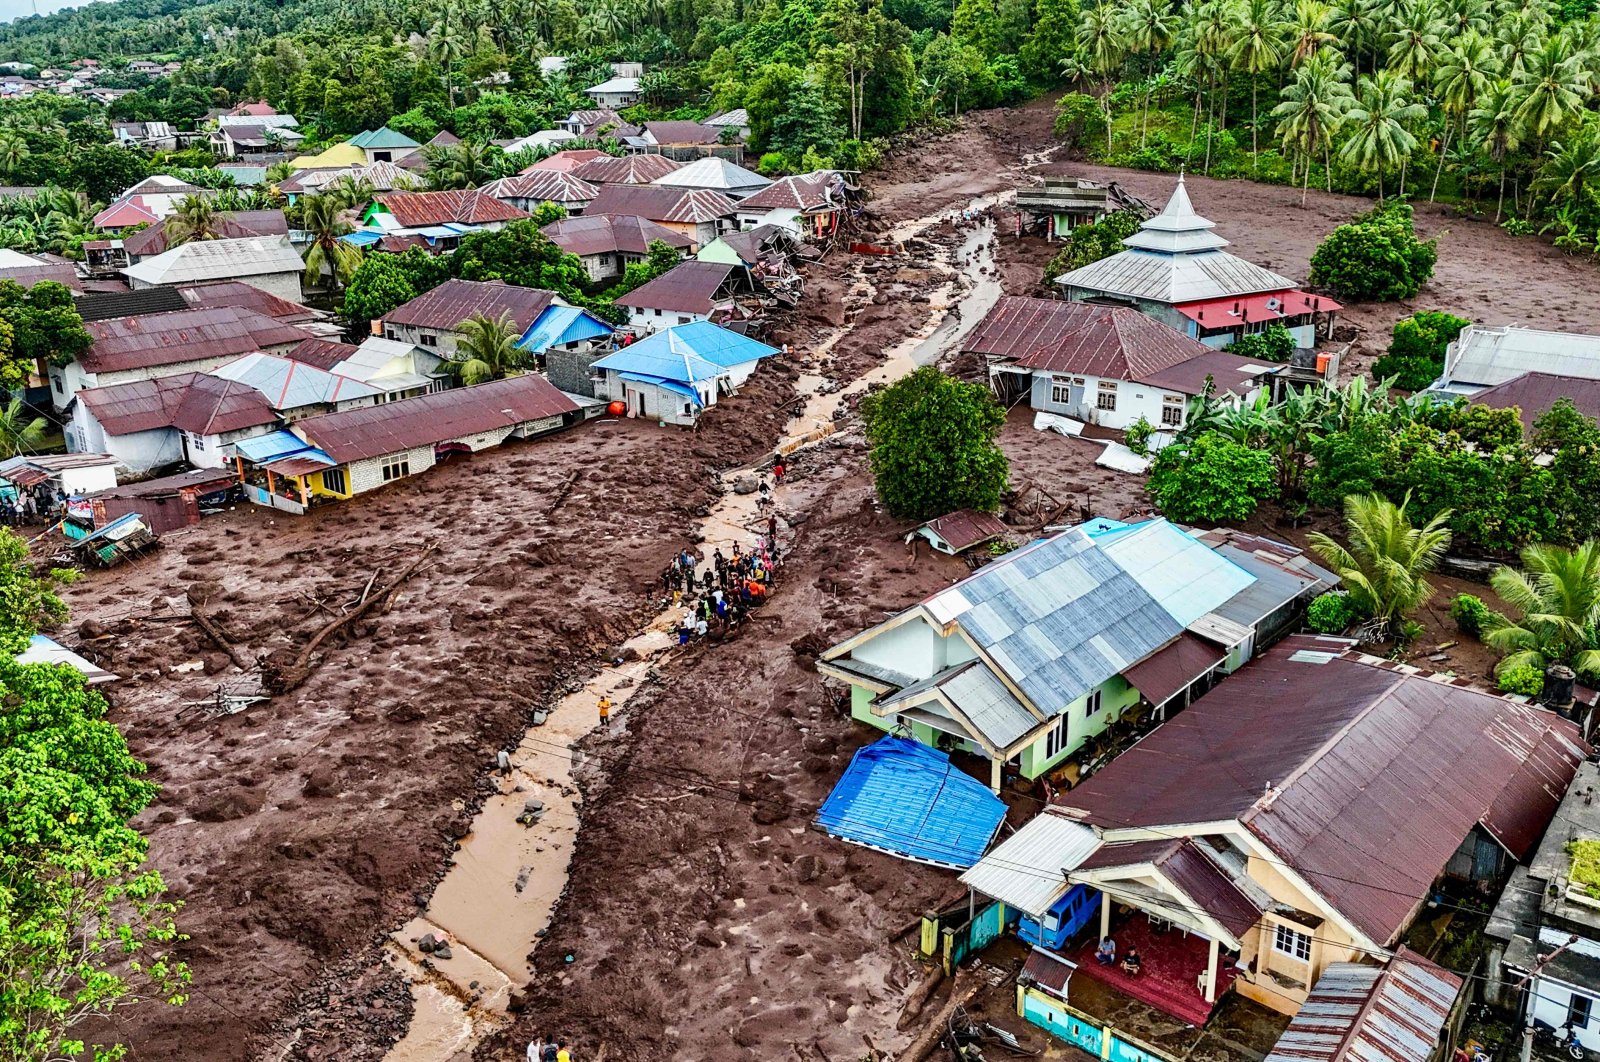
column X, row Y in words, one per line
column 1138, row 436
column 1090, row 243
column 1525, row 679
column 1211, row 479
column 1332, row 613
column 933, row 445
column 1470, row 614
column 1416, row 352
column 1275, row 343
column 1375, row 258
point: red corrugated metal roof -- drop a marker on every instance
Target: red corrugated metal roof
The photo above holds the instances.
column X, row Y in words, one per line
column 566, row 161
column 125, row 213
column 28, row 276
column 1376, row 776
column 691, row 133
column 1255, row 309
column 444, row 416
column 321, row 353
column 452, row 302
column 237, row 293
column 805, row 191
column 659, row 203
column 546, row 186
column 181, row 336
column 1533, row 393
column 689, row 287
column 1227, row 372
column 1168, row 670
column 1190, row 870
column 608, row 233
column 232, row 224
column 966, row 528
column 1111, row 342
column 630, row 169
column 191, row 401
column 464, row 206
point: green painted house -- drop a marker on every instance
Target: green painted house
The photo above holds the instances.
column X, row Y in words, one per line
column 1026, row 660
column 383, row 144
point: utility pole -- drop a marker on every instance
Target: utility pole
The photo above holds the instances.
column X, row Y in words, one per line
column 1527, row 1030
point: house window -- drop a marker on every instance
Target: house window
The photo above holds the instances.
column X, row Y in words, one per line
column 683, row 320
column 396, row 467
column 1056, row 740
column 429, row 341
column 198, row 442
column 1291, row 942
column 55, row 381
column 389, row 333
column 1092, row 704
column 1578, row 1011
column 1107, row 397
column 1060, row 390
column 1171, row 411
column 333, row 480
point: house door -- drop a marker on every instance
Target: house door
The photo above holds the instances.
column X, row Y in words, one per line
column 638, row 403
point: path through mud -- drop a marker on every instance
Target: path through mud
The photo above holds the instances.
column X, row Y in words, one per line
column 504, row 881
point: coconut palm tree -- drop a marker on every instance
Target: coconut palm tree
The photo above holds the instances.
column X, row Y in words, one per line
column 1150, row 27
column 19, row 432
column 1308, row 31
column 1496, row 129
column 448, row 45
column 1571, row 173
column 1257, row 49
column 463, row 165
column 1384, row 565
column 327, row 253
column 1379, row 139
column 14, row 151
column 487, row 349
column 1357, row 25
column 195, row 219
column 1416, row 41
column 1553, row 86
column 1517, row 34
column 1104, row 46
column 1558, row 597
column 1463, row 75
column 1465, row 16
column 1313, row 109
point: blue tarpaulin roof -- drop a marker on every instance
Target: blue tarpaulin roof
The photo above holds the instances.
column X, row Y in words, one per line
column 362, row 237
column 905, row 798
column 275, row 446
column 686, row 353
column 562, row 324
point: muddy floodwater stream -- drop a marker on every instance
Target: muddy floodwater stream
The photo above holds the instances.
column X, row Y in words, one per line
column 502, row 885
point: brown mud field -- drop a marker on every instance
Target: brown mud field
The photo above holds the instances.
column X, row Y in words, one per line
column 705, row 920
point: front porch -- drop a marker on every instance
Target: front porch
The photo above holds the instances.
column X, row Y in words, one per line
column 1173, row 969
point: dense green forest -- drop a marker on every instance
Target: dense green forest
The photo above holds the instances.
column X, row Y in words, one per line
column 1487, row 102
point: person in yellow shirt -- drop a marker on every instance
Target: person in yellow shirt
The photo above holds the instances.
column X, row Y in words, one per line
column 605, row 710
column 562, row 1054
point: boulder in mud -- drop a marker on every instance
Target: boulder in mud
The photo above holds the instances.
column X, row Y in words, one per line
column 746, row 485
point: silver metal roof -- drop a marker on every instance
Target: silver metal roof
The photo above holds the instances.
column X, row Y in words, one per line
column 291, row 384
column 984, row 699
column 1177, row 229
column 1275, row 586
column 1174, row 278
column 1185, row 576
column 1484, row 357
column 219, row 260
column 1025, row 870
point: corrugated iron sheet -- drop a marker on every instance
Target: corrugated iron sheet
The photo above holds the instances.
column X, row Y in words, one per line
column 688, row 287
column 430, row 419
column 1533, row 393
column 1376, row 775
column 1165, row 673
column 609, row 233
column 1052, row 335
column 806, row 192
column 1359, row 1013
column 468, row 206
column 231, row 224
column 630, row 169
column 221, row 293
column 180, row 336
column 192, row 401
column 545, row 186
column 1174, row 278
column 454, row 301
column 657, row 203
column 1027, row 870
column 966, row 528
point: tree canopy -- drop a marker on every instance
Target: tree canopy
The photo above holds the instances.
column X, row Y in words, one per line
column 934, row 447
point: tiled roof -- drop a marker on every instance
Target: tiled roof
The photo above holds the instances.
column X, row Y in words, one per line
column 394, row 427
column 446, row 306
column 415, row 210
column 180, row 336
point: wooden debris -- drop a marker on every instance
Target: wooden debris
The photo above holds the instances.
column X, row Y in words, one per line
column 920, row 995
column 220, row 640
column 964, row 987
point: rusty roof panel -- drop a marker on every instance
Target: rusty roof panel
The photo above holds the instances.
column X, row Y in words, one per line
column 966, row 528
column 1170, row 669
column 393, row 427
column 181, row 336
column 466, row 206
column 230, row 224
column 1352, row 773
column 1360, row 1013
column 321, row 353
column 594, row 234
column 220, row 293
column 545, row 186
column 660, row 203
column 689, row 287
column 192, row 401
column 446, row 306
column 1193, row 872
column 631, row 169
column 1533, row 393
column 1112, row 342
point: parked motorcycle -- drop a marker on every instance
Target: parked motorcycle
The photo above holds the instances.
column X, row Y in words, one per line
column 1564, row 1039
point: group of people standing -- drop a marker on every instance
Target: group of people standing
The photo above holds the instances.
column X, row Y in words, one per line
column 721, row 593
column 31, row 506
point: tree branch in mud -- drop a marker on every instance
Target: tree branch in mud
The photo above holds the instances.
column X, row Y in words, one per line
column 282, row 676
column 220, row 640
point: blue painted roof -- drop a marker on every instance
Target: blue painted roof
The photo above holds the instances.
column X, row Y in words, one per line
column 686, row 353
column 275, row 446
column 362, row 237
column 562, row 324
column 905, row 798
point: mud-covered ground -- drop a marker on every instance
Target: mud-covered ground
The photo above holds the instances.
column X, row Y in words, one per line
column 705, row 920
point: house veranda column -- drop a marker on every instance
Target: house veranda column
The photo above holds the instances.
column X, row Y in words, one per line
column 1105, row 916
column 994, row 774
column 1211, row 972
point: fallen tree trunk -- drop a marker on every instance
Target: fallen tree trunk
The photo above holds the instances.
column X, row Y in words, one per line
column 964, row 987
column 280, row 676
column 919, row 997
column 220, row 640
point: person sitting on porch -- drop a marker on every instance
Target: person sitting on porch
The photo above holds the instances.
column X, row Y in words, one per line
column 1106, row 953
column 1131, row 962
